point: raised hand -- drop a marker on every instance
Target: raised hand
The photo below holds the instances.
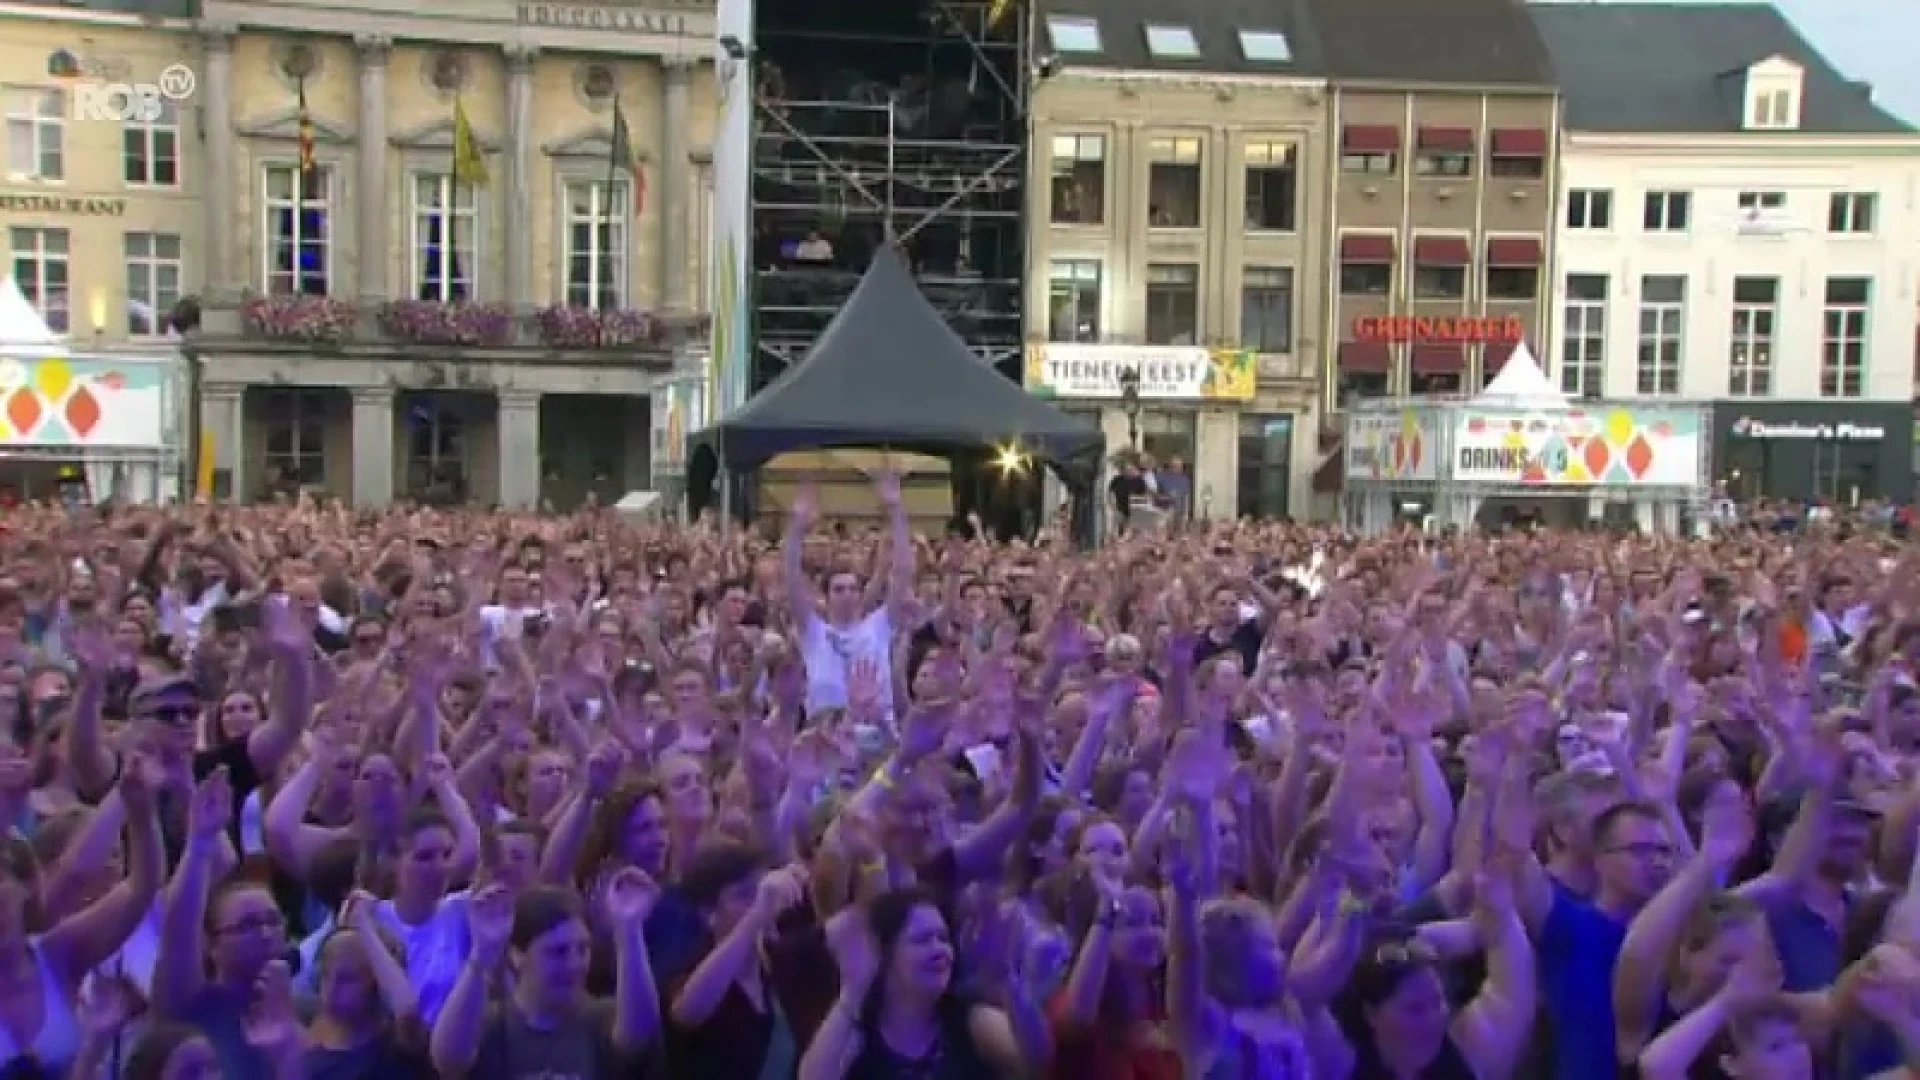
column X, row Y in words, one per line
column 138, row 782
column 490, row 922
column 855, row 952
column 603, row 768
column 863, row 687
column 806, row 506
column 1726, row 830
column 284, row 626
column 272, row 1022
column 108, row 1003
column 779, row 892
column 630, row 895
column 886, row 484
column 211, row 810
column 925, row 729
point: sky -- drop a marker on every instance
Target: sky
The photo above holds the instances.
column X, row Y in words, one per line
column 1870, row 40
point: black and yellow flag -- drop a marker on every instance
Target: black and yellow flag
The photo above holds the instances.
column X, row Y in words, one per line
column 304, row 121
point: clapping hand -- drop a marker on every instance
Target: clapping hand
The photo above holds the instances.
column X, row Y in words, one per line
column 855, row 952
column 490, row 923
column 272, row 1023
column 108, row 1003
column 211, row 810
column 629, row 897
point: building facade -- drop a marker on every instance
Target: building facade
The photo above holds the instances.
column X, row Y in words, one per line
column 1446, row 122
column 1738, row 226
column 1177, row 190
column 372, row 325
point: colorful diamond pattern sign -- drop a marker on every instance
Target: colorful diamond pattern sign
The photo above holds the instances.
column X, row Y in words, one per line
column 1626, row 446
column 52, row 401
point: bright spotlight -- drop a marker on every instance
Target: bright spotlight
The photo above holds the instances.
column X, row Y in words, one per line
column 1011, row 460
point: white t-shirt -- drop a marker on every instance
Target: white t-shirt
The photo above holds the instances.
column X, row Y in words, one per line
column 829, row 654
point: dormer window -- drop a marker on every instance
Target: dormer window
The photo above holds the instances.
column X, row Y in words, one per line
column 1773, row 95
column 1073, row 34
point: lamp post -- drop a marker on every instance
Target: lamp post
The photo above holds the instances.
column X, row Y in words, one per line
column 1130, row 401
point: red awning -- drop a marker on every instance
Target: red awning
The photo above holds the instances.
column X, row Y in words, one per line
column 1447, row 138
column 1331, row 477
column 1519, row 142
column 1439, row 359
column 1365, row 357
column 1441, row 251
column 1366, row 248
column 1370, row 138
column 1514, row 251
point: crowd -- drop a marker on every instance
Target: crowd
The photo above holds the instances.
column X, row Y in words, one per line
column 298, row 792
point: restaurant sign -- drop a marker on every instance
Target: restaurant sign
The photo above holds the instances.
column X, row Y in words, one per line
column 1622, row 447
column 617, row 17
column 1442, row 330
column 25, row 202
column 1746, row 427
column 1166, row 372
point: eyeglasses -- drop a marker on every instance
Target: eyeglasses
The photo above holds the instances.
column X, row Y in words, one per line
column 172, row 715
column 260, row 923
column 1403, row 954
column 1648, row 850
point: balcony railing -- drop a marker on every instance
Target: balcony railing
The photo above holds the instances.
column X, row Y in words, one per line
column 323, row 322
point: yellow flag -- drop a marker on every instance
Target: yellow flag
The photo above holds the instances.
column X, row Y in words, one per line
column 997, row 11
column 469, row 165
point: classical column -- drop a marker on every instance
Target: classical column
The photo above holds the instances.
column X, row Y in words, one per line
column 519, row 426
column 372, row 446
column 519, row 179
column 222, row 415
column 676, row 260
column 224, row 278
column 370, row 202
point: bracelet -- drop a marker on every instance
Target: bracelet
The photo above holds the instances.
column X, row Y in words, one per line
column 874, row 866
column 883, row 777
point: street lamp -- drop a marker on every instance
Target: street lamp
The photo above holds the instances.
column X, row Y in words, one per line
column 1130, row 401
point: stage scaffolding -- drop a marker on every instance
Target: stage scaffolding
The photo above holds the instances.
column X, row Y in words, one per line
column 911, row 127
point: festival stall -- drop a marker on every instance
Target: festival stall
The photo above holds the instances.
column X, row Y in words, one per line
column 1522, row 450
column 83, row 427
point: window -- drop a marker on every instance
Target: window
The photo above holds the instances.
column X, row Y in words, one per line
column 1763, row 200
column 1071, row 34
column 1663, row 317
column 436, row 449
column 1272, row 186
column 1079, row 179
column 1667, row 211
column 1266, row 466
column 1750, row 358
column 1774, row 109
column 1851, row 211
column 1370, row 162
column 299, row 249
column 1843, row 338
column 41, row 270
column 596, row 244
column 1172, row 42
column 1439, row 282
column 1517, row 166
column 1265, row 46
column 36, row 133
column 150, row 150
column 1173, row 304
column 1266, row 309
column 1074, row 301
column 1443, row 163
column 1513, row 282
column 1173, row 183
column 296, row 426
column 1589, row 208
column 153, row 281
column 1365, row 278
column 443, row 243
column 1583, row 352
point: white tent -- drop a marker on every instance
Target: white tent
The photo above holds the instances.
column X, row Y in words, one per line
column 20, row 324
column 1521, row 383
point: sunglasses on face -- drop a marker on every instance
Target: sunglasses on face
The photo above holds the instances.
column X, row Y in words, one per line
column 172, row 715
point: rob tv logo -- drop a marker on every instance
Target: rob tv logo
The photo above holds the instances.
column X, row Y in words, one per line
column 138, row 103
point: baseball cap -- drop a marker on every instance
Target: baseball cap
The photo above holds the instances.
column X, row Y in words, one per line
column 163, row 690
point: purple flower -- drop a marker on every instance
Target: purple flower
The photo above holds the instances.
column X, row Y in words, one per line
column 424, row 322
column 585, row 328
column 298, row 318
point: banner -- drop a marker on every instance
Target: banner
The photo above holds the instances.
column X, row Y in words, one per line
column 1402, row 445
column 1628, row 446
column 1166, row 372
column 48, row 401
column 730, row 260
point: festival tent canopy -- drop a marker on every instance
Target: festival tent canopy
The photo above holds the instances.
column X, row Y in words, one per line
column 889, row 372
column 1522, row 383
column 20, row 324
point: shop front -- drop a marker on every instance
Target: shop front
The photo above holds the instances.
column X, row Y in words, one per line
column 1184, row 404
column 1841, row 452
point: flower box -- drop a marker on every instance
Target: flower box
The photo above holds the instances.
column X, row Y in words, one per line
column 585, row 328
column 424, row 322
column 298, row 318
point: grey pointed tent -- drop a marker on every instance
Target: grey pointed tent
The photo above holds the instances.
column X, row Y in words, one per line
column 889, row 372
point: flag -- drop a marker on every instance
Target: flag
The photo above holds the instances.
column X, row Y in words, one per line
column 469, row 165
column 305, row 122
column 620, row 157
column 996, row 11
